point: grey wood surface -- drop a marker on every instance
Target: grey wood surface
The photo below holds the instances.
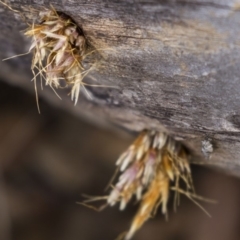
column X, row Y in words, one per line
column 175, row 66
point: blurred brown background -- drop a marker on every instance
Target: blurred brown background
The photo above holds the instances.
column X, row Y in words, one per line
column 49, row 160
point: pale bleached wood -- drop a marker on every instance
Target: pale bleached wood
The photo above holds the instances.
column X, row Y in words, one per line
column 175, row 65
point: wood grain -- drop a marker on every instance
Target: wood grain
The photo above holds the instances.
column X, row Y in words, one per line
column 175, row 66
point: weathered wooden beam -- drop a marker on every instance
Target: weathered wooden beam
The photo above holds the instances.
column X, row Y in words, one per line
column 175, row 65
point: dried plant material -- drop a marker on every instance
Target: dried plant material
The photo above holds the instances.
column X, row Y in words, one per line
column 8, row 6
column 152, row 166
column 58, row 46
column 147, row 169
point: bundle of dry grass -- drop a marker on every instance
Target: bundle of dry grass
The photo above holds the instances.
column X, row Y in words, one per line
column 152, row 166
column 59, row 47
column 148, row 166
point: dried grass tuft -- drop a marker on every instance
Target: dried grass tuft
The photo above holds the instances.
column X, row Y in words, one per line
column 59, row 48
column 152, row 166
